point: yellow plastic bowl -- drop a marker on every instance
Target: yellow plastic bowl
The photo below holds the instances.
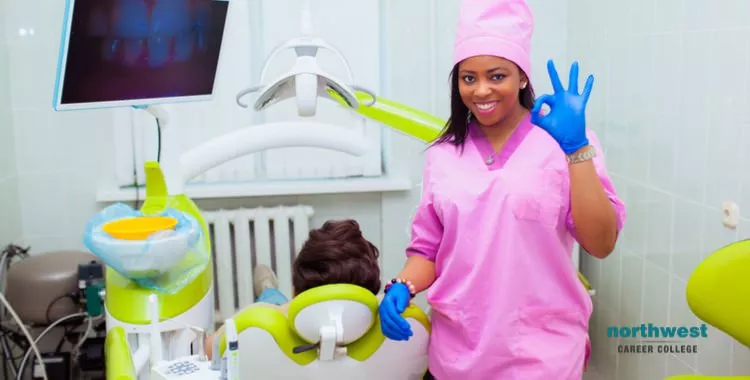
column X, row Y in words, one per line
column 139, row 228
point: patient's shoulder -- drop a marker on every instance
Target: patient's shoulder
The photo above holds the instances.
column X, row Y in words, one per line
column 282, row 308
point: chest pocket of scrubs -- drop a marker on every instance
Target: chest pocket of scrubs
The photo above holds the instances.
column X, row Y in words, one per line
column 538, row 195
column 461, row 193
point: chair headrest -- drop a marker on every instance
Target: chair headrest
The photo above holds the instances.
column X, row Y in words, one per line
column 349, row 308
column 718, row 290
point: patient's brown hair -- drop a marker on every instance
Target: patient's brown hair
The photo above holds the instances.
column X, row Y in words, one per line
column 337, row 253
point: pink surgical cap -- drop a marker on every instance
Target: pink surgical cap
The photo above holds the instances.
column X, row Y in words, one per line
column 501, row 28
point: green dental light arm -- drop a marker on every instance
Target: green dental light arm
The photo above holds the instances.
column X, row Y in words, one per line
column 410, row 121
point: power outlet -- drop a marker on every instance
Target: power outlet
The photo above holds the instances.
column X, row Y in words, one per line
column 730, row 214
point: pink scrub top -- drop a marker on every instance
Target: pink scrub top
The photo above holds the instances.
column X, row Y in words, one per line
column 507, row 302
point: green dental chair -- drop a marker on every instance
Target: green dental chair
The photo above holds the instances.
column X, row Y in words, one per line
column 718, row 293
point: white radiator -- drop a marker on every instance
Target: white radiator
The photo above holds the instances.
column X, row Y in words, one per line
column 242, row 238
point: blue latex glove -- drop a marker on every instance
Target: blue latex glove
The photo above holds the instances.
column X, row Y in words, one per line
column 566, row 121
column 393, row 325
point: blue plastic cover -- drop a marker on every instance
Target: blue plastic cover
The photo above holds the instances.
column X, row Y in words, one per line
column 165, row 262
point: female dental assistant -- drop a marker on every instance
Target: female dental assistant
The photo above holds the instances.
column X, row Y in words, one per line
column 506, row 191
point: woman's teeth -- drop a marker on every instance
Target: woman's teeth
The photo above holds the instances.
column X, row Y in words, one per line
column 486, row 107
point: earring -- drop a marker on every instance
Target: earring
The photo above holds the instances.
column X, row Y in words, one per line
column 468, row 118
column 523, row 86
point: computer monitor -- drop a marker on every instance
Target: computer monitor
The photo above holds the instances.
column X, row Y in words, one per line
column 118, row 53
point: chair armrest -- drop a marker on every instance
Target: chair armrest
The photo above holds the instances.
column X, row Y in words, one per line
column 277, row 325
column 366, row 346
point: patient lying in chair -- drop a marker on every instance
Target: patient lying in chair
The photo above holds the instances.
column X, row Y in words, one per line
column 336, row 253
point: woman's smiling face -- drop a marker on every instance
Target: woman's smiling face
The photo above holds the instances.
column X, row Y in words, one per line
column 489, row 87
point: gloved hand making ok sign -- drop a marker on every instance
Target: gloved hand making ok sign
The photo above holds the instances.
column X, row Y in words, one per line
column 566, row 121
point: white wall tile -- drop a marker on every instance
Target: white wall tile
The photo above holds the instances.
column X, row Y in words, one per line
column 635, row 230
column 640, row 123
column 656, row 294
column 677, row 366
column 25, row 24
column 643, row 16
column 10, row 222
column 732, row 13
column 668, row 15
column 444, row 29
column 652, row 367
column 656, row 285
column 38, row 136
column 660, row 229
column 32, row 70
column 687, row 241
column 663, row 145
column 549, row 42
column 727, row 94
column 617, row 14
column 701, row 15
column 681, row 315
column 740, row 355
column 609, row 285
column 7, row 145
column 44, row 209
column 677, row 123
column 628, row 366
column 604, row 356
column 715, row 355
column 76, row 193
column 692, row 136
column 631, row 296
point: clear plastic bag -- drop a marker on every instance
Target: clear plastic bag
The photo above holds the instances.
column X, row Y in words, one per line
column 165, row 262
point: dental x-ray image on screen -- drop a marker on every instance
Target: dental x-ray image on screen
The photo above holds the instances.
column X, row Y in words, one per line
column 138, row 52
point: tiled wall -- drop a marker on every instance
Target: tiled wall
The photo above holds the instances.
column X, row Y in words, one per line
column 671, row 106
column 10, row 222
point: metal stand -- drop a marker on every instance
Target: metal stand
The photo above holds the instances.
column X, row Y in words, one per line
column 5, row 341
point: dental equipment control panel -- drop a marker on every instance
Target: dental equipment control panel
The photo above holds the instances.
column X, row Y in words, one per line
column 198, row 367
column 190, row 368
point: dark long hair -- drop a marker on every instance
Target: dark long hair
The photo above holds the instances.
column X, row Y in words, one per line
column 456, row 130
column 337, row 253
